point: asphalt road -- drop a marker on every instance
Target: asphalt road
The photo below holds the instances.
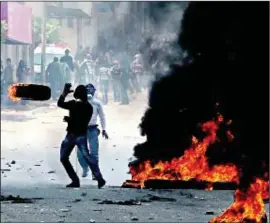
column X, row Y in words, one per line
column 32, row 140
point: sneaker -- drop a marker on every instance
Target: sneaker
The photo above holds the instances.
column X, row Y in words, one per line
column 101, row 183
column 85, row 172
column 74, row 184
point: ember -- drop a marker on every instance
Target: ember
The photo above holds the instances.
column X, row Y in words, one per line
column 248, row 205
column 193, row 164
column 12, row 92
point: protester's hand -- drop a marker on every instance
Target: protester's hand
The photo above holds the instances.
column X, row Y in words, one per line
column 67, row 89
column 66, row 119
column 104, row 134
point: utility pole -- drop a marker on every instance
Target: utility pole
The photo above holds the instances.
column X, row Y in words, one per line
column 43, row 42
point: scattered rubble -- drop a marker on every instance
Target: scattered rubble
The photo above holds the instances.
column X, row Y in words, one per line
column 13, row 162
column 52, row 171
column 83, row 194
column 127, row 202
column 92, row 221
column 5, row 170
column 209, row 213
column 152, row 197
column 18, row 199
column 134, row 219
column 64, row 210
column 76, row 200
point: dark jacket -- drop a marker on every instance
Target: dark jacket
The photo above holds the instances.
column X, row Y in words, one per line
column 80, row 114
column 69, row 60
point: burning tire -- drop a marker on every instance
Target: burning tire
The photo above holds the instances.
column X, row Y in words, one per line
column 34, row 92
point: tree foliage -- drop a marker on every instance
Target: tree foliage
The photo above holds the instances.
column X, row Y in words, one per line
column 4, row 28
column 52, row 30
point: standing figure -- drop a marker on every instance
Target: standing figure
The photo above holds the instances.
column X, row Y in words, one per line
column 8, row 75
column 116, row 74
column 64, row 71
column 93, row 130
column 80, row 113
column 69, row 60
column 21, row 71
column 136, row 68
column 104, row 76
column 125, row 79
column 88, row 68
column 53, row 73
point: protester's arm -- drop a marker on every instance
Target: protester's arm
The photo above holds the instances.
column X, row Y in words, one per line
column 61, row 101
column 101, row 115
column 64, row 104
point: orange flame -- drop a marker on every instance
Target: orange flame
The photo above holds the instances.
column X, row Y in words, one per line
column 248, row 205
column 193, row 164
column 12, row 91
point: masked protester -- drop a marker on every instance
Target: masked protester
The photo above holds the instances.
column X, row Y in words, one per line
column 93, row 131
column 80, row 113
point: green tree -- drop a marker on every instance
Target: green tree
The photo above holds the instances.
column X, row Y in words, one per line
column 52, row 31
column 4, row 28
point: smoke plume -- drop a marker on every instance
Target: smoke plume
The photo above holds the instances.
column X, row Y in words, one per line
column 228, row 49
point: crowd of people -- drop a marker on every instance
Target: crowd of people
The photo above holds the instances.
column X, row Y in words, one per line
column 109, row 72
column 23, row 74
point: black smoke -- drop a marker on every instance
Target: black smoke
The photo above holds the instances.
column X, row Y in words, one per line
column 228, row 51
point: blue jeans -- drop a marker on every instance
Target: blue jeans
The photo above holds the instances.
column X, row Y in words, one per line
column 66, row 148
column 92, row 136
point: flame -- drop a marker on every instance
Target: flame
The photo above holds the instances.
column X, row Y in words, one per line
column 248, row 205
column 12, row 91
column 193, row 164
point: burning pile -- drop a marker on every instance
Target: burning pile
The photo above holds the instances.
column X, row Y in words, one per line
column 193, row 165
column 248, row 205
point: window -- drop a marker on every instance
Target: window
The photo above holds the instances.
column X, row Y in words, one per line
column 70, row 22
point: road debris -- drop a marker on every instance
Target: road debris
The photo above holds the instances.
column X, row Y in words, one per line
column 127, row 202
column 52, row 171
column 76, row 200
column 18, row 199
column 13, row 162
column 83, row 194
column 134, row 219
column 64, row 210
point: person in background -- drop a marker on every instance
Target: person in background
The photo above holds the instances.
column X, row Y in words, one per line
column 125, row 79
column 116, row 73
column 21, row 71
column 88, row 68
column 93, row 130
column 69, row 60
column 80, row 113
column 28, row 75
column 104, row 76
column 79, row 54
column 136, row 71
column 102, row 69
column 53, row 72
column 64, row 71
column 8, row 75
